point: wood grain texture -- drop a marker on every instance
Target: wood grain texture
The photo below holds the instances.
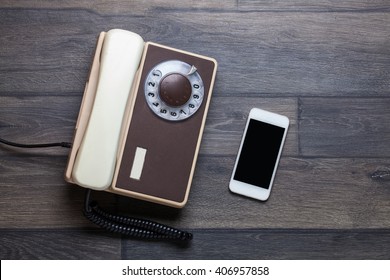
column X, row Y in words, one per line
column 64, row 245
column 38, row 119
column 307, row 193
column 317, row 6
column 327, row 193
column 270, row 244
column 115, row 7
column 226, row 121
column 35, row 195
column 207, row 244
column 290, row 54
column 324, row 64
column 137, row 7
column 344, row 127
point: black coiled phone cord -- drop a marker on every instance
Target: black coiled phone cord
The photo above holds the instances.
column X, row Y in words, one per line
column 133, row 227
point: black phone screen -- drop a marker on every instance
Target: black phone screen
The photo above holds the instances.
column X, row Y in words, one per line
column 259, row 153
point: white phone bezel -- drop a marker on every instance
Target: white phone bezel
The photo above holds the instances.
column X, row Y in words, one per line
column 246, row 189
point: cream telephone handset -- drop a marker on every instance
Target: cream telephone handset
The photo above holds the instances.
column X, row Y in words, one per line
column 141, row 120
column 95, row 161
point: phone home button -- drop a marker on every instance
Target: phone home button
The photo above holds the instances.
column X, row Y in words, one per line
column 175, row 90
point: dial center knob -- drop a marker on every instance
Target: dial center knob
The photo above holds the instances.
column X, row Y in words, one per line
column 175, row 89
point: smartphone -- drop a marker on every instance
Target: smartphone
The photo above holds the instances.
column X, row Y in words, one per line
column 258, row 157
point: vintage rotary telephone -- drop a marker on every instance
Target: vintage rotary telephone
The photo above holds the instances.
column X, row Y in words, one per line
column 139, row 128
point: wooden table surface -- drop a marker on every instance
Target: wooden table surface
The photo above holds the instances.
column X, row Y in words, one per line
column 325, row 64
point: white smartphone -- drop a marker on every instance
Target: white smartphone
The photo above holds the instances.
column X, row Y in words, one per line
column 259, row 154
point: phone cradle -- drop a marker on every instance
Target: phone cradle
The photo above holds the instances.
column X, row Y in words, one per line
column 141, row 119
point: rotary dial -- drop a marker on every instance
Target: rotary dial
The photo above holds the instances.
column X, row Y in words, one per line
column 174, row 90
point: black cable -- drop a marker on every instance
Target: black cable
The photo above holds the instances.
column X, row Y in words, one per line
column 45, row 145
column 132, row 227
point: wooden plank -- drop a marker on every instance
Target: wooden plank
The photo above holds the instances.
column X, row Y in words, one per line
column 37, row 119
column 43, row 119
column 307, row 193
column 302, row 54
column 226, row 121
column 344, row 127
column 207, row 244
column 120, row 7
column 325, row 65
column 269, row 244
column 39, row 172
column 35, row 195
column 311, row 53
column 114, row 7
column 220, row 169
column 58, row 245
column 317, row 6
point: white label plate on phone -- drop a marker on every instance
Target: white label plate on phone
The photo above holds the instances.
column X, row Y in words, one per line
column 138, row 163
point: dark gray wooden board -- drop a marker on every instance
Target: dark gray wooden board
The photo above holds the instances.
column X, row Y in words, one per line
column 289, row 53
column 207, row 244
column 326, row 65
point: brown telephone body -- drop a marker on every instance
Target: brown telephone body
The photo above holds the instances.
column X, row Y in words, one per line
column 156, row 142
